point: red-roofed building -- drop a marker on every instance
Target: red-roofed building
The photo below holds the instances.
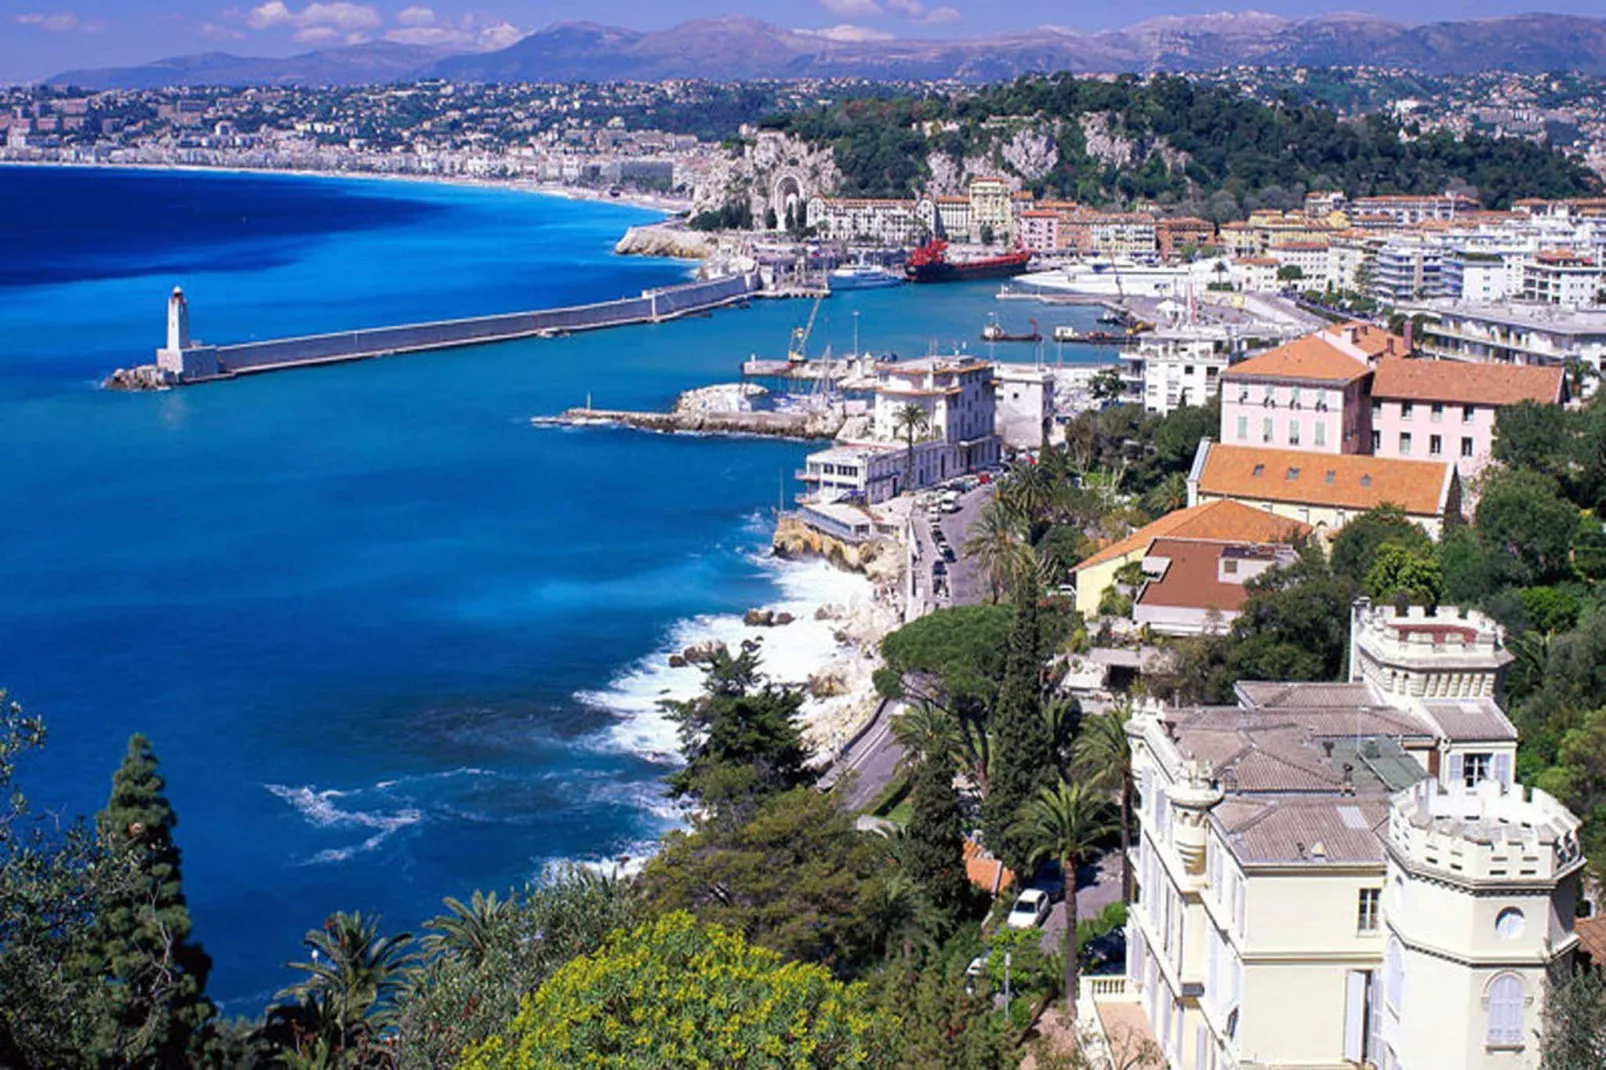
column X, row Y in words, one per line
column 1195, row 587
column 1309, row 394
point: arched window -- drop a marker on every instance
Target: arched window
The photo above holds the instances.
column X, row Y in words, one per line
column 1505, row 1009
column 1393, row 975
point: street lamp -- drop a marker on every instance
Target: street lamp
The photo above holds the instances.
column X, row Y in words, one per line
column 855, row 332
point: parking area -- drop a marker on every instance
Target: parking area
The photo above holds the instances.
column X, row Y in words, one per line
column 943, row 518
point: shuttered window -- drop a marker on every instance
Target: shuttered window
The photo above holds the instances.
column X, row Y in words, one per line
column 1505, row 1010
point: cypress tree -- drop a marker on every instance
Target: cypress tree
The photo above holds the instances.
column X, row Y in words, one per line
column 935, row 859
column 1023, row 754
column 143, row 941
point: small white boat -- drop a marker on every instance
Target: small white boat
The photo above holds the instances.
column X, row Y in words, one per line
column 862, row 276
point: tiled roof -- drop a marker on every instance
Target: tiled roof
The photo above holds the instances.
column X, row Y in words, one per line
column 1470, row 720
column 1371, row 339
column 985, row 871
column 1192, row 579
column 1221, row 521
column 1592, row 939
column 1309, row 359
column 1345, row 481
column 1268, row 695
column 1463, row 383
column 1319, row 830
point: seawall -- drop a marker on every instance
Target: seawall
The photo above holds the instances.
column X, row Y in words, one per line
column 201, row 364
column 810, row 425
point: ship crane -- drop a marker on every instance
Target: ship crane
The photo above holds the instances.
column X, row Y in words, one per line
column 796, row 354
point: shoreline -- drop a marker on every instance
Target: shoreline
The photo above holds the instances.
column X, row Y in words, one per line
column 646, row 201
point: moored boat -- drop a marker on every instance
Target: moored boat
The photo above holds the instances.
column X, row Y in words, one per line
column 862, row 276
column 930, row 263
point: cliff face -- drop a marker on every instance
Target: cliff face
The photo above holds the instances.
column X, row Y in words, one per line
column 881, row 560
column 773, row 170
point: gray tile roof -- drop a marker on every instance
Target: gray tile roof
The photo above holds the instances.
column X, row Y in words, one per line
column 1470, row 720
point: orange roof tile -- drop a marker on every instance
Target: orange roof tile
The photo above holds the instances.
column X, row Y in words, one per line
column 1592, row 939
column 1310, row 358
column 1193, row 578
column 985, row 871
column 1371, row 339
column 1345, row 481
column 1223, row 521
column 1466, row 384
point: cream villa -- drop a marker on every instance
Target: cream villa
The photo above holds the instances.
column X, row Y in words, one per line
column 1345, row 874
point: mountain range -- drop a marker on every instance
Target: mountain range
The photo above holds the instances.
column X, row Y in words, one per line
column 738, row 47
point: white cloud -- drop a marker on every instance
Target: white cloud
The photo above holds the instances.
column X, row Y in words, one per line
column 916, row 11
column 59, row 22
column 420, row 26
column 213, row 32
column 316, row 21
column 846, row 32
column 852, row 9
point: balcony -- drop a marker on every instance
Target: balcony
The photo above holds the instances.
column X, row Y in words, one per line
column 1112, row 1028
column 803, row 475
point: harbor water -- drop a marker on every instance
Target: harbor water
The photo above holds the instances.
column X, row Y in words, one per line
column 390, row 641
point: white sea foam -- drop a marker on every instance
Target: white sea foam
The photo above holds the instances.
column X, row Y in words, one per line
column 320, row 810
column 791, row 653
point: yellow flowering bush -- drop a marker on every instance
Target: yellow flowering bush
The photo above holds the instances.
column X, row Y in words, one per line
column 673, row 993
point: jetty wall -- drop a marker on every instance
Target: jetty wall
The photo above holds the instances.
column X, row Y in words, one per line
column 204, row 363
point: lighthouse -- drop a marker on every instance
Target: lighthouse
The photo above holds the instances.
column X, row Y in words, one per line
column 178, row 322
column 181, row 359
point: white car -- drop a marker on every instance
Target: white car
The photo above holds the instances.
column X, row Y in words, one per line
column 1030, row 908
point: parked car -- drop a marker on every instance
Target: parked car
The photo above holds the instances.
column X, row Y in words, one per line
column 975, row 971
column 1029, row 911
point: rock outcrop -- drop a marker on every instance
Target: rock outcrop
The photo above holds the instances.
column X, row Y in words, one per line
column 720, row 398
column 772, row 171
column 140, row 377
column 880, row 559
column 661, row 240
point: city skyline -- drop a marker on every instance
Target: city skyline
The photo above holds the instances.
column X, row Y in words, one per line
column 43, row 37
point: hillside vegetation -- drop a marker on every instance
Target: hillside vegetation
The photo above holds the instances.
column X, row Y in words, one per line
column 1209, row 150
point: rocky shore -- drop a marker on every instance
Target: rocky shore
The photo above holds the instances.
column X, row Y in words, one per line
column 660, row 240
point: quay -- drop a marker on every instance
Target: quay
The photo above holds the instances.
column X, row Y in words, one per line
column 183, row 361
column 821, row 423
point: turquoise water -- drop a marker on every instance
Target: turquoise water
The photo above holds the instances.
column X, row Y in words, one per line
column 390, row 641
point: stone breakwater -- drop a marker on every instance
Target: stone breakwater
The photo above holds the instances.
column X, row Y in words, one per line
column 200, row 364
column 660, row 240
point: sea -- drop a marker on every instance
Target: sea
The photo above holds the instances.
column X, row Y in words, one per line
column 390, row 641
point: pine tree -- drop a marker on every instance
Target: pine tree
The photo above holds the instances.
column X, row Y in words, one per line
column 1023, row 755
column 935, row 850
column 143, row 934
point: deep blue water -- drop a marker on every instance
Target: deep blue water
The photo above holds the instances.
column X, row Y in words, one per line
column 390, row 641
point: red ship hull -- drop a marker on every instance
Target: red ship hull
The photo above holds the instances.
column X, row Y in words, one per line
column 994, row 267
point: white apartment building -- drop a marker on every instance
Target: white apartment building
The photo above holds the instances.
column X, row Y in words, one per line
column 1561, row 278
column 1024, row 396
column 957, row 396
column 1168, row 371
column 1514, row 333
column 878, row 220
column 1408, row 270
column 1345, row 875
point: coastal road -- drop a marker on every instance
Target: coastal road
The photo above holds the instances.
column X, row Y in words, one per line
column 872, row 759
column 967, row 581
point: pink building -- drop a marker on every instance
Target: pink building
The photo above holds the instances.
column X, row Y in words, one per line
column 1309, row 394
column 1040, row 230
column 1445, row 409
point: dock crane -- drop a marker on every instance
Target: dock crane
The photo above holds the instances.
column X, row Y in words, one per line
column 795, row 354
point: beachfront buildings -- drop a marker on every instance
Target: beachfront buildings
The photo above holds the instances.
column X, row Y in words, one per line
column 1506, row 333
column 933, row 418
column 1345, row 874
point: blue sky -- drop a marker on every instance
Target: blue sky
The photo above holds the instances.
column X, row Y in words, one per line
column 40, row 37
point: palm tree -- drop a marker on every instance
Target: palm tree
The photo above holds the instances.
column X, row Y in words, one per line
column 352, row 979
column 468, row 930
column 910, row 421
column 996, row 540
column 1063, row 823
column 900, row 918
column 926, row 730
column 1102, row 754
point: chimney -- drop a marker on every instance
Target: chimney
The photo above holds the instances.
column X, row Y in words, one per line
column 1327, row 748
column 1410, row 337
column 1349, row 779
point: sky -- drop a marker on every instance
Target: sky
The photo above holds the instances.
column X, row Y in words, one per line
column 41, row 37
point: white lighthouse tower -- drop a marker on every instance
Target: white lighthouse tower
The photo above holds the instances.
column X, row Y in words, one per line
column 181, row 359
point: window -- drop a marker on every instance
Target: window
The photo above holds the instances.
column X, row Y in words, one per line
column 1466, row 447
column 1293, row 473
column 1394, row 975
column 1377, row 410
column 1293, row 432
column 1260, row 470
column 1475, row 768
column 1436, row 413
column 1230, row 567
column 1243, row 428
column 1293, row 398
column 1505, row 1011
column 1377, row 441
column 1265, row 429
column 1435, row 445
column 1509, row 923
column 1367, row 910
column 1406, row 409
column 1466, row 413
column 1405, row 442
column 1321, row 433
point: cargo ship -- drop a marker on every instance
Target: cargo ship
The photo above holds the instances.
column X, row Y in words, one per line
column 930, row 263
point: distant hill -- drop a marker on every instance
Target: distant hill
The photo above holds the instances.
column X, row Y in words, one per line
column 379, row 61
column 737, row 47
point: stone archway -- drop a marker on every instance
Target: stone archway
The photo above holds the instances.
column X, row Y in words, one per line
column 788, row 191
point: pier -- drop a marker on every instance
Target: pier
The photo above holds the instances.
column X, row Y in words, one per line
column 184, row 362
column 820, row 423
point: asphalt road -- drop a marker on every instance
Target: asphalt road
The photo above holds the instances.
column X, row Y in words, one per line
column 1091, row 899
column 870, row 764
